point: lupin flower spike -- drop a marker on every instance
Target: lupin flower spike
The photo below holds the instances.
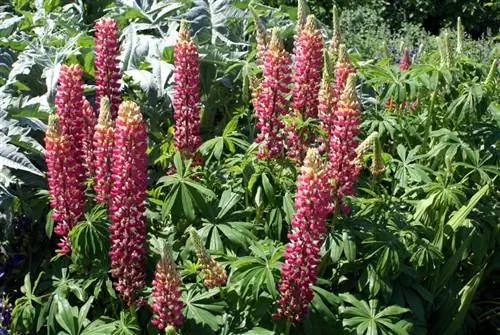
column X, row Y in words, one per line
column 271, row 102
column 213, row 273
column 302, row 13
column 107, row 74
column 186, row 99
column 343, row 68
column 326, row 106
column 167, row 306
column 343, row 143
column 460, row 35
column 127, row 209
column 260, row 36
column 299, row 270
column 336, row 40
column 373, row 141
column 447, row 50
column 90, row 121
column 405, row 62
column 65, row 187
column 103, row 150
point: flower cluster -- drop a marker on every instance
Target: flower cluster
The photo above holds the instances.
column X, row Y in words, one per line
column 298, row 272
column 65, row 187
column 107, row 73
column 405, row 62
column 307, row 64
column 166, row 305
column 127, row 209
column 89, row 122
column 213, row 273
column 186, row 99
column 5, row 316
column 103, row 148
column 343, row 143
column 343, row 68
column 271, row 103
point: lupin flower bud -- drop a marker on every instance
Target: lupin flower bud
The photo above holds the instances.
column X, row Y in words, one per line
column 302, row 13
column 326, row 105
column 460, row 35
column 260, row 36
column 89, row 124
column 107, row 72
column 405, row 62
column 440, row 46
column 167, row 306
column 335, row 43
column 271, row 102
column 299, row 271
column 308, row 63
column 343, row 68
column 492, row 72
column 213, row 273
column 447, row 50
column 103, row 149
column 186, row 100
column 373, row 141
column 343, row 143
column 127, row 210
column 64, row 182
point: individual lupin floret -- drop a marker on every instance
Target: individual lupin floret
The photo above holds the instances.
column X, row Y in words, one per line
column 302, row 253
column 167, row 306
column 64, row 182
column 213, row 273
column 107, row 73
column 343, row 143
column 127, row 209
column 186, row 99
column 271, row 102
column 103, row 149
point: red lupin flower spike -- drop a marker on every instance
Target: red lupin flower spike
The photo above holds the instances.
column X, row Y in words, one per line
column 103, row 150
column 343, row 68
column 167, row 306
column 127, row 209
column 107, row 73
column 405, row 62
column 271, row 103
column 298, row 272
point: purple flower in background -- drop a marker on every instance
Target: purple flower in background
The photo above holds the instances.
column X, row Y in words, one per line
column 5, row 315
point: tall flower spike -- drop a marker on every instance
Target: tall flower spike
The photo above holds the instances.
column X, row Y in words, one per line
column 213, row 273
column 308, row 64
column 167, row 306
column 326, row 107
column 447, row 50
column 440, row 46
column 460, row 35
column 127, row 210
column 271, row 102
column 107, row 72
column 405, row 62
column 299, row 271
column 260, row 36
column 186, row 100
column 343, row 68
column 88, row 135
column 343, row 143
column 103, row 150
column 64, row 182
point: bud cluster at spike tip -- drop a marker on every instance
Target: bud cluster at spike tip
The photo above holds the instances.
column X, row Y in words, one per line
column 186, row 99
column 63, row 181
column 260, row 37
column 405, row 62
column 107, row 72
column 307, row 64
column 343, row 68
column 343, row 143
column 127, row 210
column 103, row 149
column 167, row 306
column 212, row 272
column 302, row 253
column 90, row 121
column 271, row 102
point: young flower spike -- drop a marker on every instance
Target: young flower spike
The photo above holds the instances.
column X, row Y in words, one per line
column 213, row 273
column 326, row 106
column 343, row 68
column 298, row 272
column 343, row 143
column 271, row 102
column 167, row 306
column 308, row 64
column 405, row 62
column 260, row 36
column 65, row 187
column 103, row 149
column 89, row 120
column 335, row 43
column 186, row 100
column 127, row 209
column 107, row 73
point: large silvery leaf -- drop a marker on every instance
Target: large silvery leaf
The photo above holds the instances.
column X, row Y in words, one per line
column 213, row 21
column 10, row 157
